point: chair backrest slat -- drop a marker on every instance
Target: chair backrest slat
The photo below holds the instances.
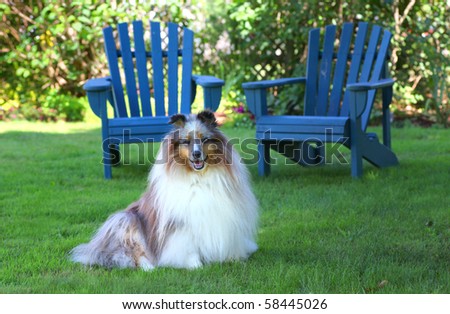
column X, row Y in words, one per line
column 340, row 69
column 172, row 69
column 157, row 64
column 128, row 67
column 111, row 54
column 312, row 72
column 355, row 65
column 377, row 73
column 370, row 54
column 141, row 66
column 186, row 79
column 325, row 69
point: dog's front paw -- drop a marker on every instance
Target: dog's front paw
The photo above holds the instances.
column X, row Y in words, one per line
column 251, row 247
column 193, row 261
column 145, row 264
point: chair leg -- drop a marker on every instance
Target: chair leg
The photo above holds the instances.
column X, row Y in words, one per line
column 108, row 171
column 114, row 150
column 311, row 155
column 356, row 156
column 263, row 158
column 319, row 155
column 356, row 133
column 107, row 160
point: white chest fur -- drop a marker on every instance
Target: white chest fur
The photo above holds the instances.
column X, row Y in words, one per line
column 214, row 215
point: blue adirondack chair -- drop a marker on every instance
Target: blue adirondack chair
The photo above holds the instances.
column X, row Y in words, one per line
column 340, row 89
column 138, row 119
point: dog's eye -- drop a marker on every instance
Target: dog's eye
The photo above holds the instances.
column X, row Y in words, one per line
column 184, row 142
column 209, row 140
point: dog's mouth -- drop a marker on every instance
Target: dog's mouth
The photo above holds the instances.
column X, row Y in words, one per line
column 198, row 164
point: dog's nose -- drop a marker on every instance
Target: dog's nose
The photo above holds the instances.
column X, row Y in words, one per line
column 196, row 154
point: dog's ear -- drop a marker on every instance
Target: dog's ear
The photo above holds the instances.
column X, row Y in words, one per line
column 207, row 117
column 178, row 120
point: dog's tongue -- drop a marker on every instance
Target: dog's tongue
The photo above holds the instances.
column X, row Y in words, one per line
column 198, row 164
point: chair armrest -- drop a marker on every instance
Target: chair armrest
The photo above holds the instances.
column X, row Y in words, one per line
column 98, row 84
column 359, row 94
column 208, row 81
column 98, row 91
column 360, row 87
column 273, row 83
column 256, row 93
column 212, row 90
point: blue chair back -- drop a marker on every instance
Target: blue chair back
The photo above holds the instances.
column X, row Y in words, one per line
column 143, row 71
column 328, row 70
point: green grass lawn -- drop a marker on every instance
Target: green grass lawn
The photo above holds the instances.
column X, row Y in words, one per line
column 320, row 231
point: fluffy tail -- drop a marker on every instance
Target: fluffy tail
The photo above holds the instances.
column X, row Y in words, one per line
column 120, row 242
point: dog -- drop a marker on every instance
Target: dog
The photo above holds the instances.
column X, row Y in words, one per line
column 198, row 208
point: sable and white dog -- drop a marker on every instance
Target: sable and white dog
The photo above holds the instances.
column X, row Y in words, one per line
column 198, row 208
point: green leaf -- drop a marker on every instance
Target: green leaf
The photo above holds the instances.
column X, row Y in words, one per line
column 84, row 20
column 4, row 9
column 77, row 26
column 86, row 12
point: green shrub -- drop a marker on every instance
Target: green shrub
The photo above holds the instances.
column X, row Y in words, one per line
column 49, row 48
column 267, row 39
column 239, row 117
column 68, row 107
column 52, row 107
column 48, row 45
